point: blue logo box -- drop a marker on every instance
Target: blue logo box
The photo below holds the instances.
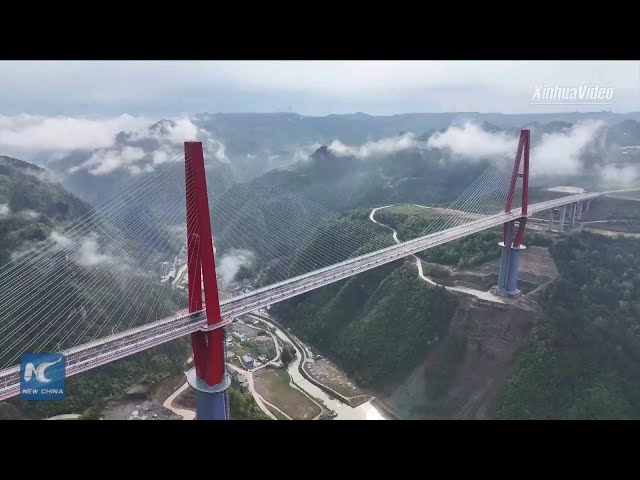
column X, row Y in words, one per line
column 42, row 376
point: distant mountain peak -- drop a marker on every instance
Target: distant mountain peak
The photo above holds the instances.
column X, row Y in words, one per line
column 322, row 152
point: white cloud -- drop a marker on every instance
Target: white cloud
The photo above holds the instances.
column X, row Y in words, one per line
column 61, row 241
column 231, row 262
column 621, row 177
column 385, row 146
column 167, row 138
column 33, row 133
column 30, row 214
column 4, row 210
column 88, row 254
column 107, row 161
column 41, row 175
column 559, row 153
column 555, row 153
column 83, row 251
column 469, row 141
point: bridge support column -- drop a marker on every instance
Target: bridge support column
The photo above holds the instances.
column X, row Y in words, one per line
column 509, row 264
column 588, row 205
column 573, row 213
column 211, row 401
column 562, row 216
column 551, row 220
column 513, row 238
column 208, row 377
column 579, row 217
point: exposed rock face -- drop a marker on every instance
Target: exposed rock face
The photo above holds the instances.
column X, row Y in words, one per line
column 462, row 375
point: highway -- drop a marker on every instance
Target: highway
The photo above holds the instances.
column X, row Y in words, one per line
column 90, row 355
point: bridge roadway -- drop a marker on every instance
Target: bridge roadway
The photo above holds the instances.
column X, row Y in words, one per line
column 93, row 354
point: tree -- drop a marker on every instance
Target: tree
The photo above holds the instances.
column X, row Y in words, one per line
column 287, row 355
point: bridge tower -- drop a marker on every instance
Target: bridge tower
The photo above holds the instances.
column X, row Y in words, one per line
column 513, row 231
column 208, row 376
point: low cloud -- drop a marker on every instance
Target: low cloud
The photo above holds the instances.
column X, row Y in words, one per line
column 145, row 144
column 620, row 176
column 5, row 211
column 555, row 153
column 34, row 133
column 29, row 214
column 559, row 153
column 107, row 161
column 164, row 142
column 385, row 146
column 83, row 251
column 231, row 262
column 88, row 254
column 470, row 141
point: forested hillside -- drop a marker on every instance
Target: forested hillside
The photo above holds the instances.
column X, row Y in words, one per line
column 377, row 325
column 32, row 201
column 33, row 205
column 583, row 360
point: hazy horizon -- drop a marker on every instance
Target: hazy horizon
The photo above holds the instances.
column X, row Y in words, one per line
column 310, row 88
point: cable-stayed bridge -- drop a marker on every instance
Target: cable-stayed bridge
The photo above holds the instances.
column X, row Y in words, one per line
column 110, row 289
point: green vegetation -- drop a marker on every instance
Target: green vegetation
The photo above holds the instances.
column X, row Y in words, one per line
column 583, row 359
column 466, row 252
column 35, row 204
column 411, row 222
column 613, row 209
column 10, row 412
column 343, row 232
column 243, row 406
column 273, row 386
column 88, row 392
column 287, row 356
column 376, row 325
column 31, row 203
column 443, row 368
column 258, row 346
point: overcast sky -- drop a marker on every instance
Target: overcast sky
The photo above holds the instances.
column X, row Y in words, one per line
column 169, row 88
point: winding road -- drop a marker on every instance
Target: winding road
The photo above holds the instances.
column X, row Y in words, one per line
column 488, row 296
column 184, row 413
column 366, row 411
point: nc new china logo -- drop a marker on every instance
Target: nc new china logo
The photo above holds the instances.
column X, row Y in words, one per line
column 42, row 376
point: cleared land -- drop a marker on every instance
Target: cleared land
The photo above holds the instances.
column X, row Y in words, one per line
column 273, row 386
column 327, row 374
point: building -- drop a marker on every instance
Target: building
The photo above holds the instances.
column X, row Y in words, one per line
column 247, row 360
column 241, row 379
column 263, row 358
column 239, row 336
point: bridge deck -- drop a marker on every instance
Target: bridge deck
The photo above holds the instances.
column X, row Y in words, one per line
column 91, row 355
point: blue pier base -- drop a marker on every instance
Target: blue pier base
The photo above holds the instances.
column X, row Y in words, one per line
column 211, row 401
column 509, row 269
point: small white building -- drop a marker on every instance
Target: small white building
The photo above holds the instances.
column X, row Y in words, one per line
column 241, row 337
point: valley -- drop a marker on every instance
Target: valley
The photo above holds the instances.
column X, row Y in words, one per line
column 419, row 338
